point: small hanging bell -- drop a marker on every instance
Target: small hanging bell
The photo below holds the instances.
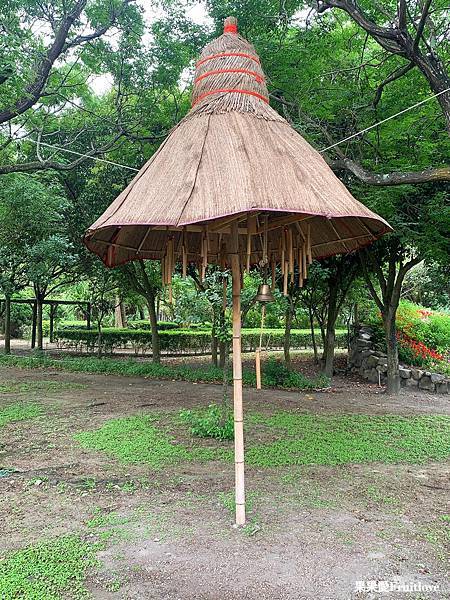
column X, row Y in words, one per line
column 264, row 293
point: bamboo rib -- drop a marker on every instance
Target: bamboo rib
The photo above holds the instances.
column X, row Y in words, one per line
column 274, row 270
column 285, row 279
column 308, row 242
column 291, row 251
column 304, row 266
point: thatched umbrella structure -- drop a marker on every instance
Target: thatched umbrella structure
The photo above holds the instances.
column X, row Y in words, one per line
column 233, row 185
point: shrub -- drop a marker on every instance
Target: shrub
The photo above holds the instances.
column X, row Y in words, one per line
column 179, row 341
column 213, row 422
column 276, row 374
column 145, row 325
column 423, row 336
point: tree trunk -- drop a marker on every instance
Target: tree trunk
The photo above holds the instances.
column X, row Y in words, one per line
column 154, row 327
column 434, row 71
column 313, row 336
column 7, row 325
column 141, row 313
column 223, row 353
column 99, row 339
column 33, row 326
column 119, row 314
column 52, row 321
column 214, row 347
column 287, row 335
column 330, row 335
column 39, row 336
column 393, row 377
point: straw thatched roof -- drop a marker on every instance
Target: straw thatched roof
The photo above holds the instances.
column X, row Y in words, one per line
column 232, row 157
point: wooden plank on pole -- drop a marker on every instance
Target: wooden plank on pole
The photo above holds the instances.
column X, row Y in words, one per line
column 237, row 378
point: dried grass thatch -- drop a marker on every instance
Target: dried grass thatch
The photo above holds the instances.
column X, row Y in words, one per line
column 233, row 158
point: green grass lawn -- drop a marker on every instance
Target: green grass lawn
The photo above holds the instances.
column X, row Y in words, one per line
column 138, row 440
column 298, row 439
column 47, row 570
column 18, row 412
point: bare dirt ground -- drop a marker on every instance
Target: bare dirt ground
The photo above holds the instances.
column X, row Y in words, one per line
column 314, row 532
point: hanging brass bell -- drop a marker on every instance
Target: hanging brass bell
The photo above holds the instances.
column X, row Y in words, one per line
column 264, row 294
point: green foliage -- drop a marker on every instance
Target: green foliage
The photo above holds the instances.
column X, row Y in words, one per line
column 52, row 570
column 137, row 439
column 215, row 422
column 21, row 387
column 300, row 439
column 276, row 374
column 130, row 368
column 179, row 341
column 18, row 412
column 341, row 439
column 145, row 325
column 423, row 334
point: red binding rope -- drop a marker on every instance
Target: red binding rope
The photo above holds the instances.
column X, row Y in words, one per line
column 230, row 90
column 230, row 28
column 257, row 76
column 250, row 56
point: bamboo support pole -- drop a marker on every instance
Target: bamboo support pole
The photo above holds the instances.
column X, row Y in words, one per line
column 258, row 351
column 258, row 368
column 237, row 378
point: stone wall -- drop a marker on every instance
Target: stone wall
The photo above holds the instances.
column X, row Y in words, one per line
column 371, row 364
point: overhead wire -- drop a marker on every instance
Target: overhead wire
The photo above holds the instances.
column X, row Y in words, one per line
column 346, row 139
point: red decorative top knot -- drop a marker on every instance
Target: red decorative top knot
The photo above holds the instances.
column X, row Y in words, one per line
column 230, row 25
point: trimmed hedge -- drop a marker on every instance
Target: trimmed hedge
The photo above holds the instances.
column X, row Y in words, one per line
column 179, row 341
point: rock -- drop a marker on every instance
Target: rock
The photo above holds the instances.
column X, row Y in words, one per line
column 425, row 383
column 372, row 375
column 381, row 368
column 442, row 388
column 364, row 343
column 365, row 329
column 372, row 361
column 437, row 377
column 404, row 373
column 409, row 382
column 364, row 336
column 416, row 374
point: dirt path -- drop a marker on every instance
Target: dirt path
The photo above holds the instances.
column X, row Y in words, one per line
column 315, row 531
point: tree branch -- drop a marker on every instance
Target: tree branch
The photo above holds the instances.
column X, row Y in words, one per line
column 422, row 22
column 60, row 45
column 43, row 165
column 375, row 296
column 392, row 77
column 387, row 179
